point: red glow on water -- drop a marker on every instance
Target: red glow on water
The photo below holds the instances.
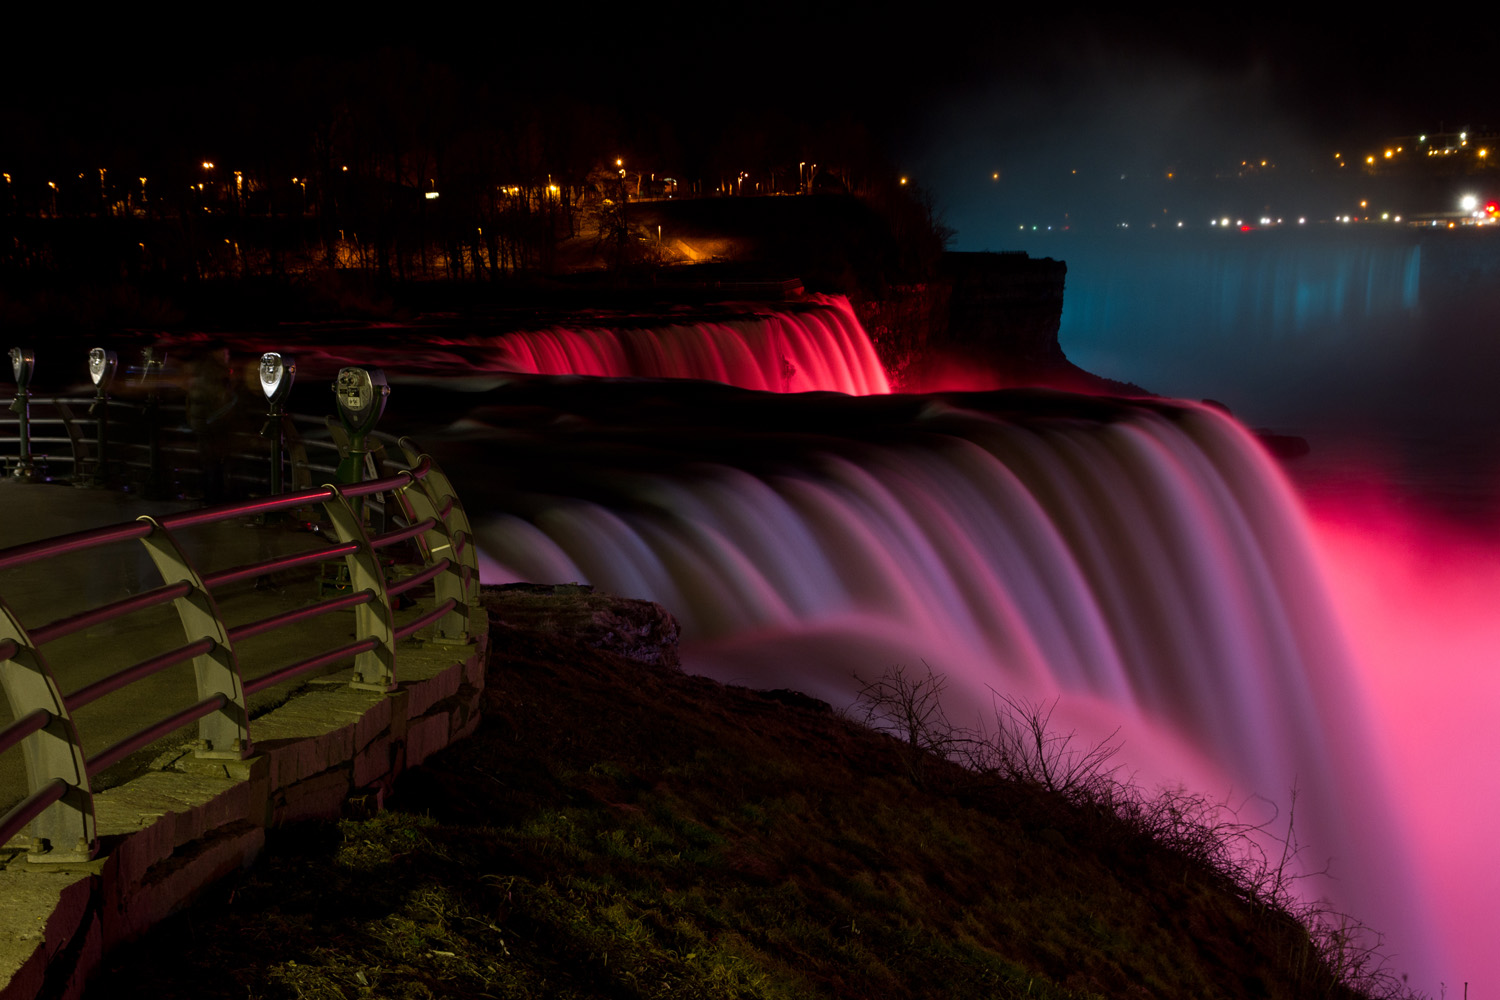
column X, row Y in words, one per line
column 958, row 373
column 1418, row 597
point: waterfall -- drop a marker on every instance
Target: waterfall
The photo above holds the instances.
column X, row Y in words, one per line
column 818, row 348
column 1142, row 563
column 813, row 344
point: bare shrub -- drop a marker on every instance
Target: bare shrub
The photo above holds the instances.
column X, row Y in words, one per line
column 908, row 705
column 1022, row 746
column 1335, row 954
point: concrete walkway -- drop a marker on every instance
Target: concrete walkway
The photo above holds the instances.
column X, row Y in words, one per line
column 43, row 592
column 168, row 823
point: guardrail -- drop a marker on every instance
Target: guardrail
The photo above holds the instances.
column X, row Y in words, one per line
column 58, row 808
column 151, row 448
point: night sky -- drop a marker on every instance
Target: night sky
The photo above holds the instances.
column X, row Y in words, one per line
column 930, row 85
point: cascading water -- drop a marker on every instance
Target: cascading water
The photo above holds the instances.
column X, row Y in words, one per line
column 822, row 347
column 1143, row 563
column 814, row 344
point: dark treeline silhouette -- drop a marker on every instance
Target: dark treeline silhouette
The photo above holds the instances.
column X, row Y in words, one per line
column 396, row 165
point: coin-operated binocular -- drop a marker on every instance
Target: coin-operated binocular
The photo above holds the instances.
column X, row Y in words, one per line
column 360, row 394
column 22, row 362
column 103, row 366
column 277, row 372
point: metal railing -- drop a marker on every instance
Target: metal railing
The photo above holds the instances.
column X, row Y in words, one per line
column 152, row 450
column 58, row 807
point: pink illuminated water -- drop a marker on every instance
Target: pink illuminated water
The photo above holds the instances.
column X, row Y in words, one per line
column 1144, row 564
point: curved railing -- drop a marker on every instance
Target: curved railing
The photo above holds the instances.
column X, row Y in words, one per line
column 430, row 521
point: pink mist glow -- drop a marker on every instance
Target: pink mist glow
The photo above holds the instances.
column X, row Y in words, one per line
column 1418, row 597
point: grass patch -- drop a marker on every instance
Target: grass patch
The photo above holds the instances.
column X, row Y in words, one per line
column 560, row 853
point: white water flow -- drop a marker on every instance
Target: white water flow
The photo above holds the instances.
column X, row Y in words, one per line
column 1143, row 564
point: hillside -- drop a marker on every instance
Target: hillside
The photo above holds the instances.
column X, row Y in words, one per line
column 618, row 829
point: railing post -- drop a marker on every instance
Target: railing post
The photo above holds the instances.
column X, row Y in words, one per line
column 224, row 733
column 375, row 669
column 427, row 497
column 64, row 831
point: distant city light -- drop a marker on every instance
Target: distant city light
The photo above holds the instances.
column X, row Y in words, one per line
column 1224, row 221
column 430, row 195
column 1468, row 203
column 1302, row 220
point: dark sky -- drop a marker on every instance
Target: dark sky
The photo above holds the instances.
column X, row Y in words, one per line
column 924, row 78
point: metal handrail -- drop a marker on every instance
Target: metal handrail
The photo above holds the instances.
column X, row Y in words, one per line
column 59, row 806
column 23, row 727
column 109, row 612
column 225, row 577
column 150, row 436
column 32, row 806
column 275, row 677
column 298, row 615
column 149, row 735
column 114, row 682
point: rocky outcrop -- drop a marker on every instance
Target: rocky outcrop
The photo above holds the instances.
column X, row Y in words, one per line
column 1005, row 305
column 636, row 630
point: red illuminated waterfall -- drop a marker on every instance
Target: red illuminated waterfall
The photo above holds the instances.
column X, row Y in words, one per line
column 1144, row 564
column 813, row 344
column 821, row 347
